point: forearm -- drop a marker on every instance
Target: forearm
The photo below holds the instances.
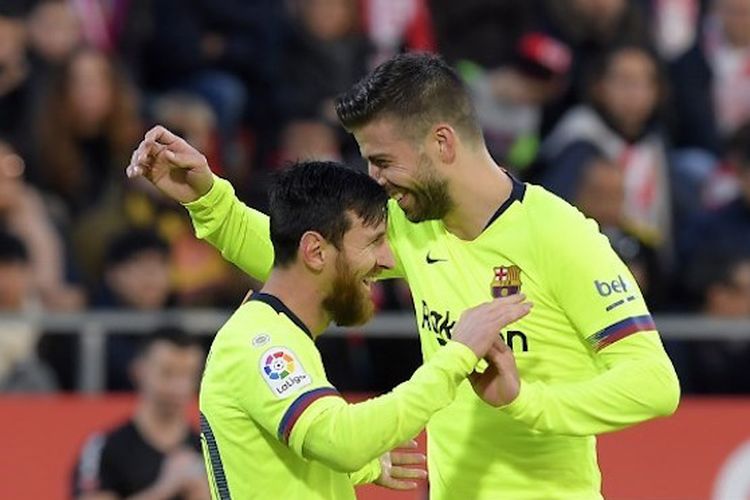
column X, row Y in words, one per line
column 347, row 436
column 240, row 233
column 630, row 391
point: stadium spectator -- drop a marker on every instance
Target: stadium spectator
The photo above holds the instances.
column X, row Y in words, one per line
column 510, row 98
column 156, row 453
column 396, row 25
column 136, row 277
column 54, row 32
column 324, row 54
column 24, row 214
column 14, row 74
column 589, row 28
column 622, row 120
column 85, row 127
column 137, row 272
column 721, row 278
column 192, row 118
column 20, row 369
column 713, row 98
column 225, row 52
column 485, row 32
column 726, row 227
column 726, row 47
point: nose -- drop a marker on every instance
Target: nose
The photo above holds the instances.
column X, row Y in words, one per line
column 385, row 258
column 375, row 173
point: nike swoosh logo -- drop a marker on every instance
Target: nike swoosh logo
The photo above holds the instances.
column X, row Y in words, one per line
column 430, row 260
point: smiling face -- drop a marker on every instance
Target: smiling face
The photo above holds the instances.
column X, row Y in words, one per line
column 363, row 254
column 406, row 170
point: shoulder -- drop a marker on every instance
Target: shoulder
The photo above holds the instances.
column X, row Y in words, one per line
column 556, row 222
column 109, row 441
column 543, row 205
column 256, row 331
column 122, row 436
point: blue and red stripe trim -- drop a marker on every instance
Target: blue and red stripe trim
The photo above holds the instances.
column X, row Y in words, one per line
column 620, row 330
column 295, row 410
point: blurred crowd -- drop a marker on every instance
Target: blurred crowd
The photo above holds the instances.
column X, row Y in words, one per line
column 636, row 111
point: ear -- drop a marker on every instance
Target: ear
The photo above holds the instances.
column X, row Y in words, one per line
column 313, row 250
column 445, row 141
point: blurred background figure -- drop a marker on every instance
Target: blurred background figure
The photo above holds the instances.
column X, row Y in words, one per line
column 725, row 226
column 325, row 53
column 510, row 98
column 85, row 128
column 136, row 276
column 156, row 453
column 15, row 90
column 20, row 368
column 24, row 214
column 54, row 33
column 621, row 118
column 720, row 282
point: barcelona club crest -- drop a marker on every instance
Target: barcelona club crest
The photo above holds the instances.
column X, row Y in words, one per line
column 507, row 281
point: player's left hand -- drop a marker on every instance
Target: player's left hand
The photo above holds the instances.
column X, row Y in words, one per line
column 394, row 475
column 500, row 384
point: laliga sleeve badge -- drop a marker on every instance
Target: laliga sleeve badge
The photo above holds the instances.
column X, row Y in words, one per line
column 283, row 372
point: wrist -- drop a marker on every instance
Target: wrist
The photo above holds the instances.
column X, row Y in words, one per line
column 464, row 353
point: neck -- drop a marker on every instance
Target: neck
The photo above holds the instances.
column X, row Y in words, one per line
column 477, row 190
column 148, row 418
column 301, row 295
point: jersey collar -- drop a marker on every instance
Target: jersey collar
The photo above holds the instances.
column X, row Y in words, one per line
column 517, row 192
column 280, row 308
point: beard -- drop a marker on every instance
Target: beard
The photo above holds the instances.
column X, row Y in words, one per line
column 431, row 200
column 349, row 302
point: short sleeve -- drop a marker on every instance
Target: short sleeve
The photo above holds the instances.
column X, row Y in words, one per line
column 94, row 472
column 593, row 286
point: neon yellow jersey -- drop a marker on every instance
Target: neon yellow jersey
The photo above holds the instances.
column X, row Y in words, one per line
column 273, row 426
column 588, row 354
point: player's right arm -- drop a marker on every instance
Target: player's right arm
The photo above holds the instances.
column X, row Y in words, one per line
column 318, row 424
column 240, row 233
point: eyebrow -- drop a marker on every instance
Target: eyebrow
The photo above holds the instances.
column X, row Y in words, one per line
column 379, row 235
column 377, row 156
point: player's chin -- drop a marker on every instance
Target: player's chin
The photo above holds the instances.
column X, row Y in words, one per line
column 358, row 314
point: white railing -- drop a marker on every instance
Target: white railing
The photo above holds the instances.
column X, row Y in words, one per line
column 92, row 327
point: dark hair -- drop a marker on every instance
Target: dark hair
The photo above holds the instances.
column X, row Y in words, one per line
column 170, row 335
column 315, row 196
column 712, row 266
column 126, row 245
column 418, row 89
column 12, row 249
column 600, row 65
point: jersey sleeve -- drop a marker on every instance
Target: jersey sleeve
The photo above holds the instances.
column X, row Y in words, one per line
column 94, row 471
column 602, row 300
column 240, row 233
column 348, row 436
